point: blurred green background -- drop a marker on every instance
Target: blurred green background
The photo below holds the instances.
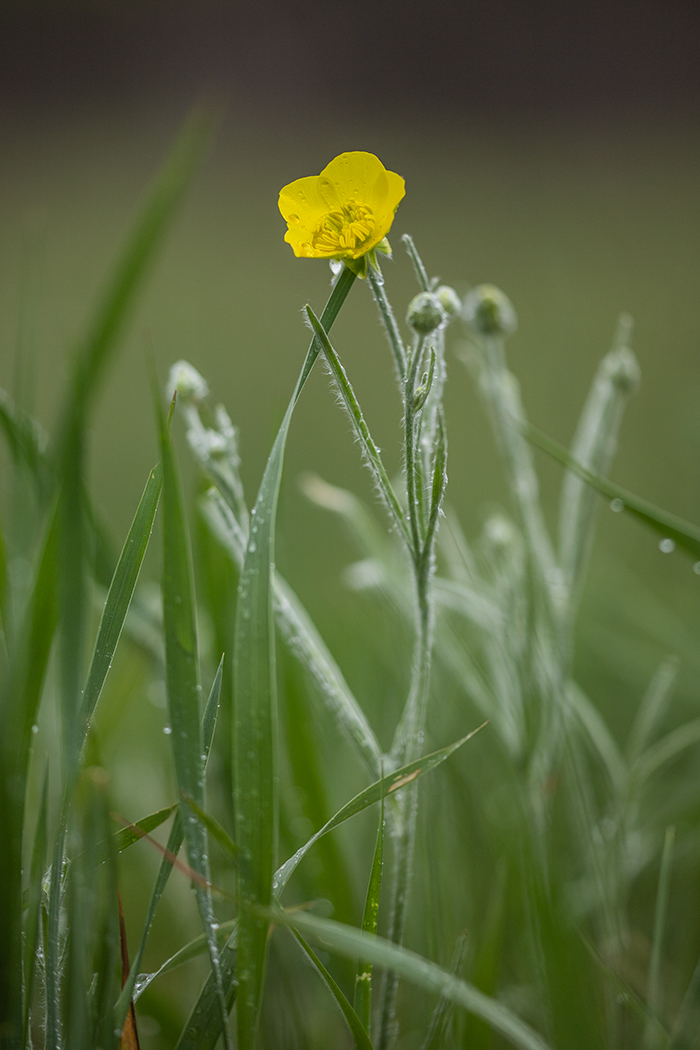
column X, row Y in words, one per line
column 553, row 150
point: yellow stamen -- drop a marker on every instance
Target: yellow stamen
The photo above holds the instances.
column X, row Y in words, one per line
column 345, row 230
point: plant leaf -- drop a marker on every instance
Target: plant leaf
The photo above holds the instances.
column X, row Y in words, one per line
column 346, row 940
column 363, row 979
column 254, row 722
column 358, row 1030
column 683, row 533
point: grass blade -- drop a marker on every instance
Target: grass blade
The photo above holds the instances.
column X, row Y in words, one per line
column 26, row 440
column 653, row 1030
column 192, row 950
column 357, row 1028
column 363, row 980
column 183, row 689
column 437, row 1032
column 174, row 843
column 254, row 723
column 374, row 793
column 214, row 828
column 414, row 968
column 127, row 836
column 121, row 592
column 31, row 927
column 684, row 534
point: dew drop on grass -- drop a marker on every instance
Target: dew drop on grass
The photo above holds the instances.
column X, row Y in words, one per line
column 35, row 728
column 617, row 506
column 696, row 568
column 167, row 730
column 667, row 546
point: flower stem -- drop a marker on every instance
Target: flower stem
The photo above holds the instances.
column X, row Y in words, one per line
column 376, row 283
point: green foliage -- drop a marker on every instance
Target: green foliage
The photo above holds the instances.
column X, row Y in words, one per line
column 564, row 846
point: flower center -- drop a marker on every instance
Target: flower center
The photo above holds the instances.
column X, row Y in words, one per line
column 345, row 230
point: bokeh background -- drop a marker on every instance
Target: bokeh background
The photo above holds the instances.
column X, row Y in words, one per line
column 552, row 148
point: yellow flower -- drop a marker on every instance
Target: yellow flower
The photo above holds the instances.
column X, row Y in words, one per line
column 343, row 213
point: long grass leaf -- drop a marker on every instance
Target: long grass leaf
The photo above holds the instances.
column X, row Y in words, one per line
column 25, row 439
column 254, row 723
column 363, row 979
column 394, row 782
column 192, row 950
column 183, row 689
column 120, row 592
column 651, row 1031
column 33, row 905
column 683, row 533
column 215, row 829
column 356, row 1026
column 303, row 640
column 652, row 708
column 174, row 843
column 437, row 1031
column 414, row 968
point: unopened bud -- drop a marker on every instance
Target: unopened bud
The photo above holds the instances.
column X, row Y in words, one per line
column 189, row 384
column 449, row 301
column 488, row 311
column 425, row 313
column 620, row 366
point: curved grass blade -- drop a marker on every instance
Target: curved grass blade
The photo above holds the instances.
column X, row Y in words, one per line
column 127, row 836
column 192, row 950
column 172, row 849
column 684, row 534
column 357, row 1028
column 254, row 721
column 363, row 979
column 25, row 438
column 303, row 640
column 215, row 829
column 437, row 1032
column 653, row 1032
column 394, row 782
column 346, row 940
column 183, row 689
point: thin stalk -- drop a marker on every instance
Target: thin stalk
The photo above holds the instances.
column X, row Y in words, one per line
column 376, row 283
column 421, row 272
column 411, row 466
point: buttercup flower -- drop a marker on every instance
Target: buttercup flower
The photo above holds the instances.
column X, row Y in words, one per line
column 343, row 213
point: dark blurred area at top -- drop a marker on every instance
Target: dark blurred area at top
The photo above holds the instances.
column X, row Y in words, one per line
column 548, row 59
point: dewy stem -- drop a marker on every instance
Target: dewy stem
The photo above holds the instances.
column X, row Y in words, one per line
column 376, row 283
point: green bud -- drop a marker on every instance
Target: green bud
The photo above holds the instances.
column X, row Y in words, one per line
column 489, row 312
column 449, row 301
column 425, row 313
column 189, row 384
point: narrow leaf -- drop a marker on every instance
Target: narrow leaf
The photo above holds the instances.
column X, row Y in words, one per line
column 651, row 1031
column 357, row 1028
column 31, row 928
column 127, row 836
column 437, row 1032
column 121, row 592
column 213, row 826
column 683, row 533
column 363, row 980
column 254, row 722
column 355, row 944
column 172, row 849
column 394, row 782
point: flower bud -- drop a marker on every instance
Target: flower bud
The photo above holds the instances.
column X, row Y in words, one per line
column 621, row 368
column 489, row 312
column 188, row 383
column 425, row 313
column 449, row 301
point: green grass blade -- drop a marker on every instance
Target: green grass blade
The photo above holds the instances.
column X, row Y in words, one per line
column 370, row 450
column 652, row 708
column 254, row 722
column 20, row 694
column 357, row 1028
column 437, row 1032
column 214, row 828
column 121, row 592
column 685, row 1034
column 664, row 750
column 363, row 979
column 174, row 843
column 394, row 782
column 303, row 640
column 31, row 927
column 183, row 689
column 684, row 534
column 653, row 1031
column 128, row 836
column 414, row 968
column 192, row 950
column 25, row 439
